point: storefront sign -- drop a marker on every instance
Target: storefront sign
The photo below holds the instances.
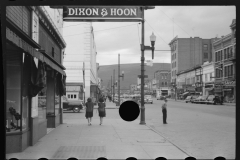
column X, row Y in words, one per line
column 102, row 13
column 229, row 83
column 72, row 88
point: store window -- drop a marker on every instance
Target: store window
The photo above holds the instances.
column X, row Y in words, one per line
column 42, row 105
column 13, row 90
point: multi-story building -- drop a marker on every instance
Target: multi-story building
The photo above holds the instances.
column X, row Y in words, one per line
column 34, row 79
column 224, row 57
column 207, row 78
column 80, row 60
column 163, row 81
column 187, row 53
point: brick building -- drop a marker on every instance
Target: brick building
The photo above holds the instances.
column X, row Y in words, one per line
column 187, row 53
column 224, row 56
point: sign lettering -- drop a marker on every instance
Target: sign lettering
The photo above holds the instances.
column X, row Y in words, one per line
column 106, row 13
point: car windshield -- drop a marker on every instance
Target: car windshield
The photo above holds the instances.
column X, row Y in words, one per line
column 188, row 97
column 204, row 97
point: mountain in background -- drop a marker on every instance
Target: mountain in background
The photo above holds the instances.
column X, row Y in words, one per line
column 131, row 72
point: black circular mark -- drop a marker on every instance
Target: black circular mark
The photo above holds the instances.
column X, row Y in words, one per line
column 102, row 158
column 129, row 110
column 131, row 158
column 190, row 158
column 219, row 158
column 161, row 158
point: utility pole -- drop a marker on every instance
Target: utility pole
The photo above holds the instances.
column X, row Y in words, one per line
column 118, row 80
column 142, row 121
column 113, row 85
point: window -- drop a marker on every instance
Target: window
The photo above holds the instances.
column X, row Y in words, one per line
column 205, row 55
column 71, row 96
column 225, row 54
column 165, row 83
column 216, row 57
column 52, row 51
column 205, row 47
column 68, row 96
column 75, row 96
column 220, row 55
column 210, row 76
column 162, row 83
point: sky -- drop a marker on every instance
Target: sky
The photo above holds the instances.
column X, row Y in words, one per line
column 166, row 22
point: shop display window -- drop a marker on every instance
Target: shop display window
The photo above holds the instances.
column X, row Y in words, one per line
column 50, row 96
column 57, row 104
column 13, row 93
column 42, row 105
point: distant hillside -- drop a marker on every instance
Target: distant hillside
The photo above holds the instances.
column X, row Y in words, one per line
column 131, row 72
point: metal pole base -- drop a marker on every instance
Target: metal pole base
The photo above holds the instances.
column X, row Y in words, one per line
column 142, row 121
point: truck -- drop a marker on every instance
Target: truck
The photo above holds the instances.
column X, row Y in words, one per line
column 162, row 93
column 72, row 105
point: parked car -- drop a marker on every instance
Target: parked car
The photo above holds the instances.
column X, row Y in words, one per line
column 212, row 99
column 188, row 99
column 148, row 99
column 161, row 97
column 193, row 98
column 73, row 105
column 200, row 99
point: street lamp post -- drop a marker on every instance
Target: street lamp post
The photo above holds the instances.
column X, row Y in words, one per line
column 83, row 82
column 113, row 85
column 119, row 79
column 153, row 39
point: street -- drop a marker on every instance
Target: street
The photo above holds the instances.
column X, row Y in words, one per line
column 203, row 131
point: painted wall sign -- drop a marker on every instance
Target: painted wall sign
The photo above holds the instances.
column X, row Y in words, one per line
column 102, row 13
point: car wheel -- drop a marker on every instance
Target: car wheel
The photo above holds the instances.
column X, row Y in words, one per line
column 76, row 109
column 152, row 102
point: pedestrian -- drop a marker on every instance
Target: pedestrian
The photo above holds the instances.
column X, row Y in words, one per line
column 89, row 110
column 164, row 111
column 101, row 109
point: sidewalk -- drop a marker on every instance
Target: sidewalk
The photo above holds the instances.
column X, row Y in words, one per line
column 115, row 139
column 178, row 100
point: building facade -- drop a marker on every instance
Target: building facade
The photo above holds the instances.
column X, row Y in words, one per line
column 208, row 78
column 224, row 54
column 187, row 53
column 35, row 77
column 80, row 59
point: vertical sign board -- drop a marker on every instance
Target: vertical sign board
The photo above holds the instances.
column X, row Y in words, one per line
column 102, row 13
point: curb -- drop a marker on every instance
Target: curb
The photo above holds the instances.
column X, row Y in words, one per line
column 154, row 130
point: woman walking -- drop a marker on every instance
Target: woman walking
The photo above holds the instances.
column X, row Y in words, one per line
column 101, row 109
column 89, row 110
column 164, row 111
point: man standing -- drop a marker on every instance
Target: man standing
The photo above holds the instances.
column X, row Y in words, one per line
column 164, row 111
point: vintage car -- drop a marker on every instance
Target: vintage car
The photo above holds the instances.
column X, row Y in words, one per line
column 200, row 99
column 148, row 99
column 212, row 99
column 188, row 99
column 161, row 97
column 72, row 105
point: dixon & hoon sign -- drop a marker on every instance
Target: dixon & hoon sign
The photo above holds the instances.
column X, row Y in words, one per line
column 102, row 13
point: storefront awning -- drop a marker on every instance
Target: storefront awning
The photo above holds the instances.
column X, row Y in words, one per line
column 28, row 47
